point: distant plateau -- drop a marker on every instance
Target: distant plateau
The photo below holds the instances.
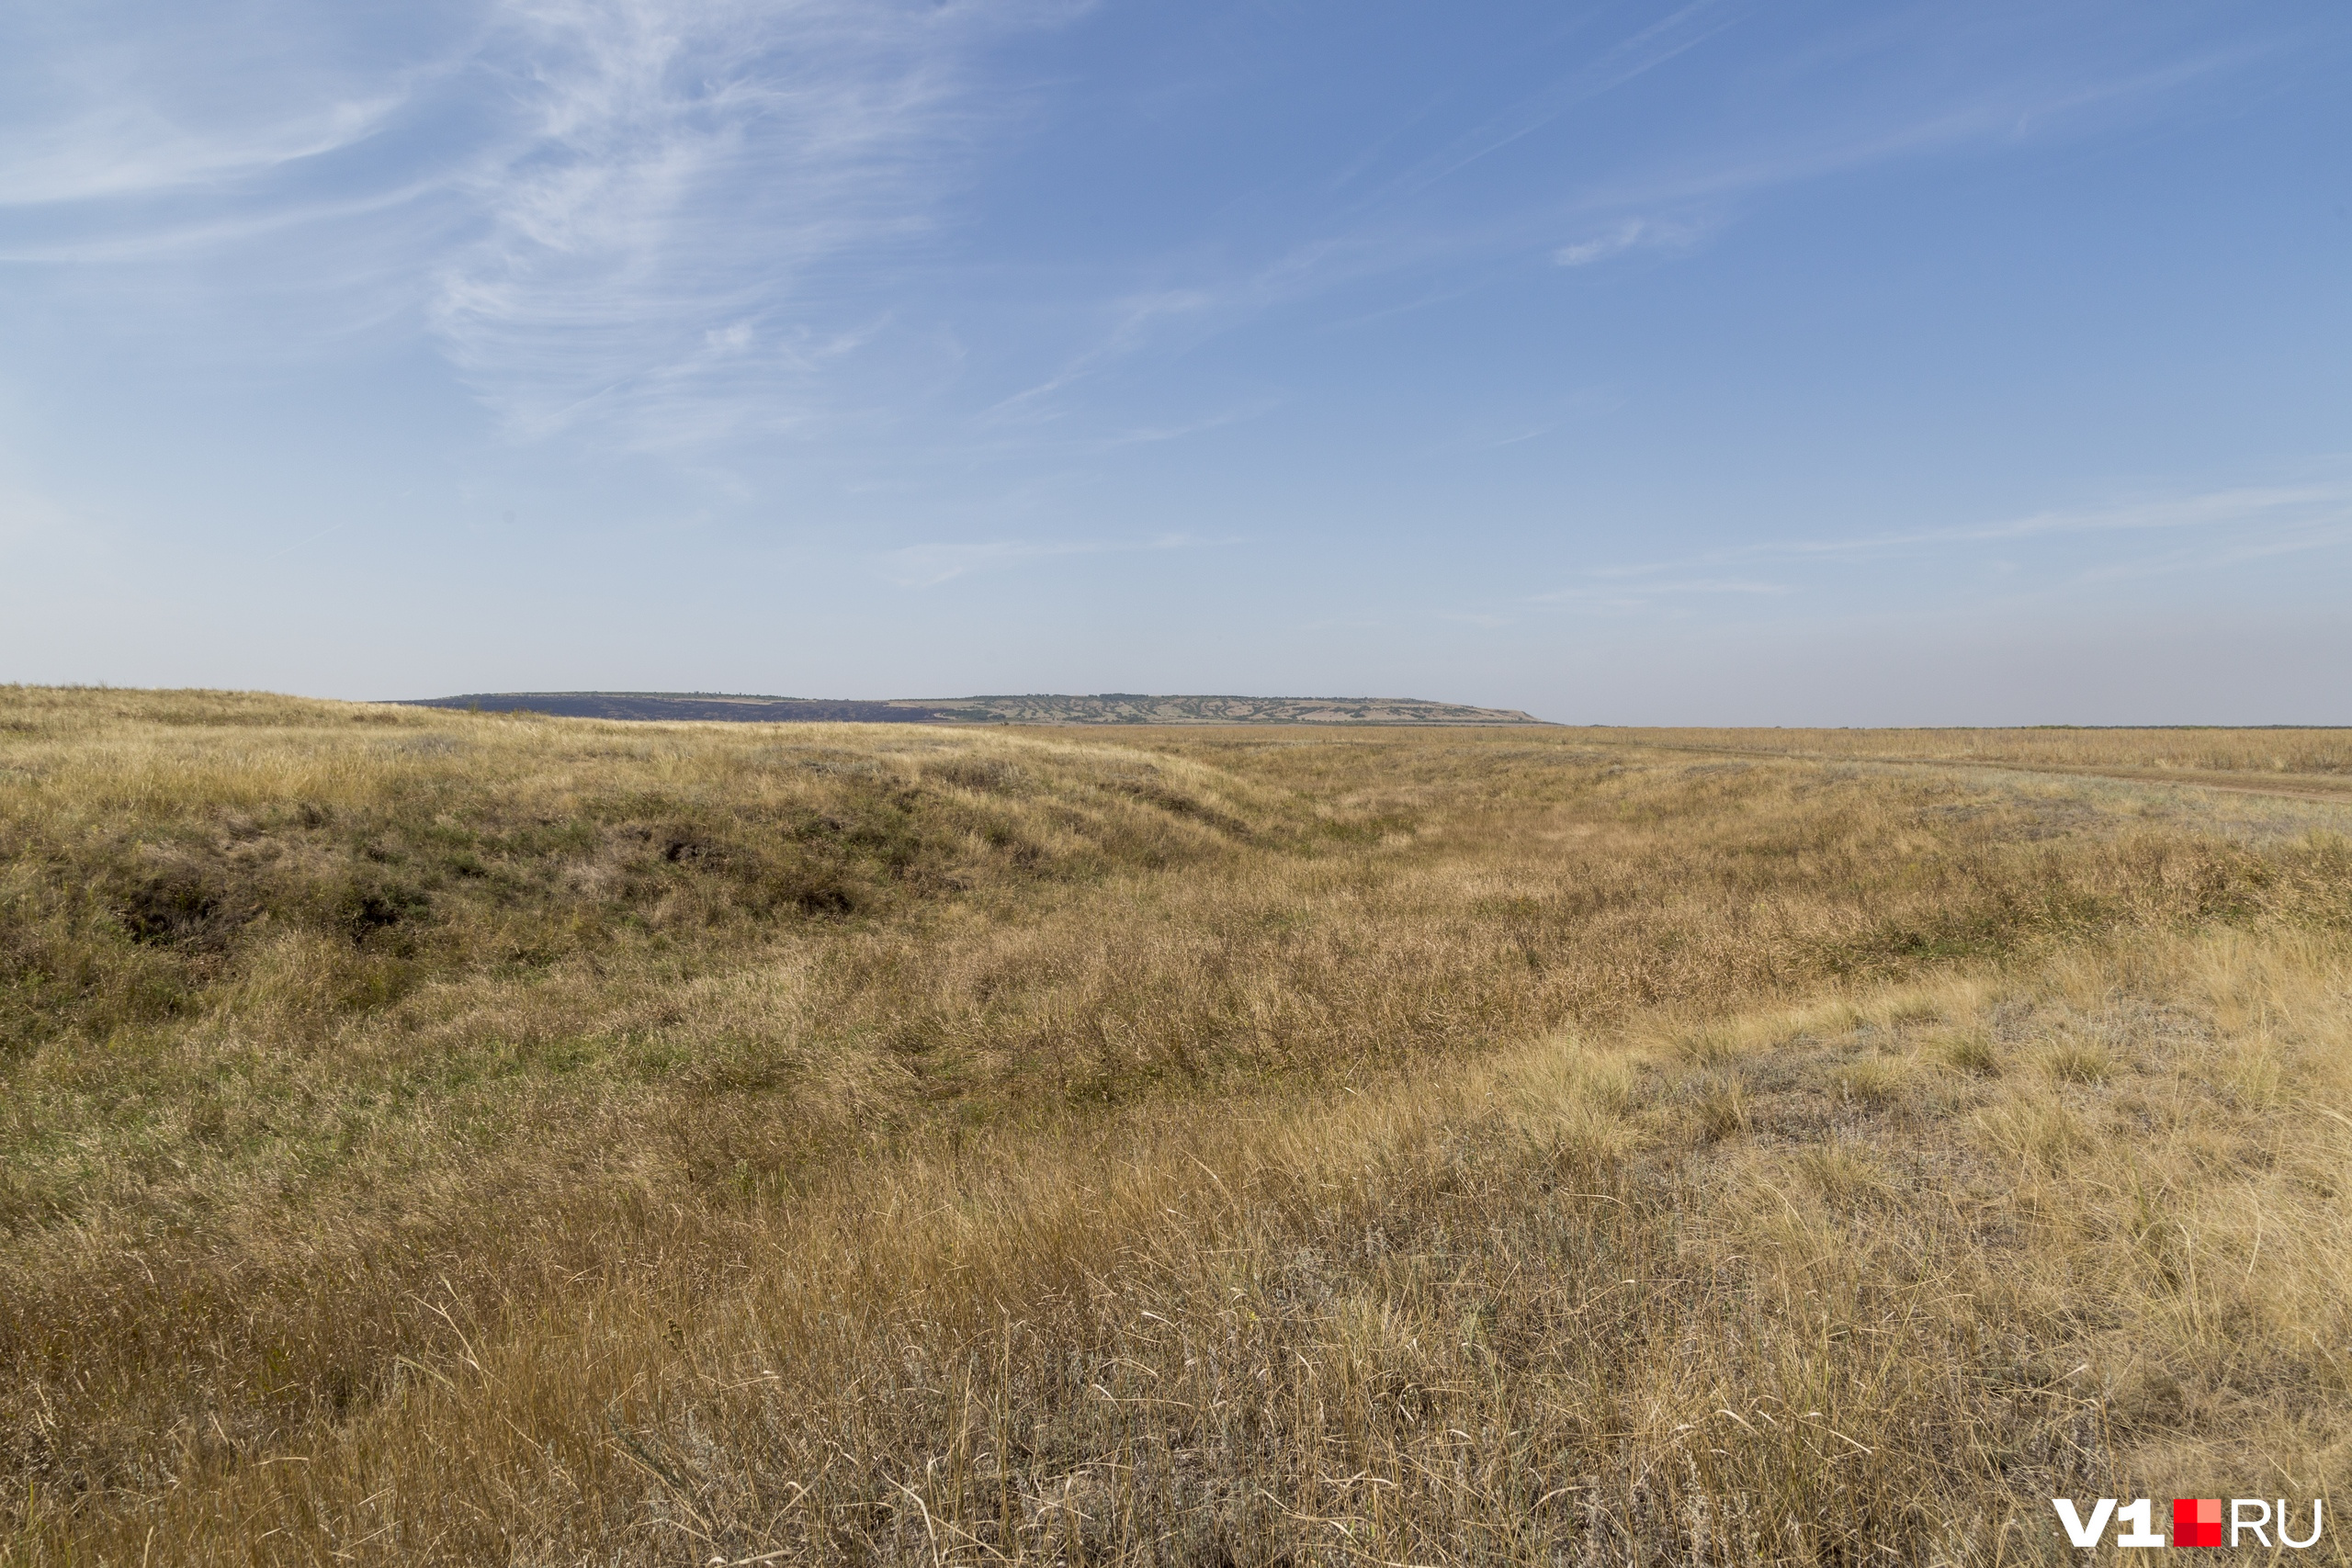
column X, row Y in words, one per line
column 1108, row 707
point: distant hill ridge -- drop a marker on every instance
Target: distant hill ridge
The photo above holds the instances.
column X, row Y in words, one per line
column 1107, row 708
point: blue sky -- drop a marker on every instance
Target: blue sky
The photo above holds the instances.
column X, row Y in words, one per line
column 1796, row 363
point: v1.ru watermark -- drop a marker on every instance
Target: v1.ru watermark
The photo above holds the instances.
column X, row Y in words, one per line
column 2195, row 1521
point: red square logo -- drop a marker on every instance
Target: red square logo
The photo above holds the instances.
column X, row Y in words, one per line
column 2196, row 1521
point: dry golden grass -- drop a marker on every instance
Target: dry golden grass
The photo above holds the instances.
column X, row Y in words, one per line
column 2317, row 758
column 447, row 1138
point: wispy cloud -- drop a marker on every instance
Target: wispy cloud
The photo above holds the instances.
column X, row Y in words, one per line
column 1584, row 252
column 2322, row 510
column 1630, row 233
column 1633, row 596
column 661, row 218
column 1127, row 324
column 121, row 150
column 2206, row 531
column 928, row 565
column 1671, row 198
column 677, row 223
column 2010, row 113
column 1609, row 68
column 1152, row 435
column 671, row 234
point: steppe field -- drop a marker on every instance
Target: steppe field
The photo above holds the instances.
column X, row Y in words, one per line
column 432, row 1138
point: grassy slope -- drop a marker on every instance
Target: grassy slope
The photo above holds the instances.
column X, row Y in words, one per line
column 1219, row 710
column 433, row 1136
column 1116, row 709
column 2293, row 758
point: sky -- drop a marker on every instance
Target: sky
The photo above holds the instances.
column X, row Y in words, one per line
column 1719, row 363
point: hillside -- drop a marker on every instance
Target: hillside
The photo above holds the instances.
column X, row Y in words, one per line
column 1115, row 707
column 444, row 1138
